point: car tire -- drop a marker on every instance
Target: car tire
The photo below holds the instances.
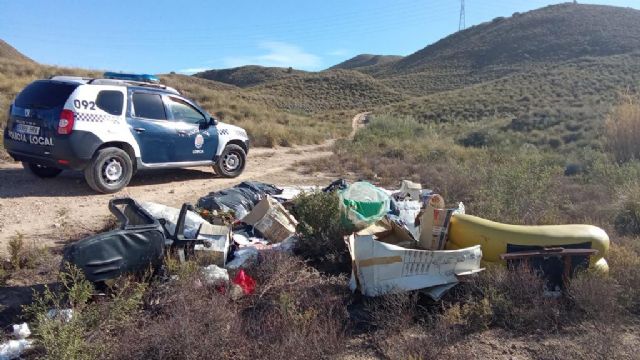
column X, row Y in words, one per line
column 110, row 170
column 41, row 171
column 231, row 162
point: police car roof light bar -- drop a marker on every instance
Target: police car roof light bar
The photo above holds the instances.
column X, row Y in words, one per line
column 146, row 78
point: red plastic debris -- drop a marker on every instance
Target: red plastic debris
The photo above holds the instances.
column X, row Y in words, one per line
column 246, row 282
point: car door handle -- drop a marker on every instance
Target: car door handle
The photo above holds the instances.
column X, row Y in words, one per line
column 182, row 132
column 139, row 130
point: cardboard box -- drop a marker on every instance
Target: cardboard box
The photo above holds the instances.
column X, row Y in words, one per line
column 217, row 240
column 272, row 220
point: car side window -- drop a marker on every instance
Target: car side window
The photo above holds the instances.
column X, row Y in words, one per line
column 148, row 106
column 110, row 101
column 183, row 111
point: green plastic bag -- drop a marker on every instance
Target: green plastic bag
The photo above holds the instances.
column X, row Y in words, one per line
column 362, row 204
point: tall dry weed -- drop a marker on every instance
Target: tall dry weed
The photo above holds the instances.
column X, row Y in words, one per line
column 622, row 130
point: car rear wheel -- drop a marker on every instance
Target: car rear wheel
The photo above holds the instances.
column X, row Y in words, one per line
column 110, row 170
column 231, row 162
column 41, row 171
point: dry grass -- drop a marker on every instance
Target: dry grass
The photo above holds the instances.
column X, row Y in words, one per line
column 622, row 130
column 294, row 311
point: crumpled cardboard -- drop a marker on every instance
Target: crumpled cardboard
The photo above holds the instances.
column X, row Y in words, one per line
column 272, row 220
column 380, row 267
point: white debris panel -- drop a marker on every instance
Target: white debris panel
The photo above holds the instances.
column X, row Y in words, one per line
column 382, row 268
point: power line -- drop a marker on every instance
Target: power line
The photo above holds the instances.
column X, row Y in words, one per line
column 461, row 22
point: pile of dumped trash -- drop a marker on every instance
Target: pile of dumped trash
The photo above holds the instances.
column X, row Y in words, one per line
column 400, row 240
column 403, row 240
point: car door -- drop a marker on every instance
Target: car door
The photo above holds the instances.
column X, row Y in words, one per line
column 195, row 141
column 150, row 125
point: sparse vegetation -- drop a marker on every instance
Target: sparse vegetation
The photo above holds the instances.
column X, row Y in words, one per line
column 622, row 130
column 521, row 126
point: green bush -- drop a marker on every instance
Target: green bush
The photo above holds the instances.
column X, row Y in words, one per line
column 517, row 188
column 321, row 230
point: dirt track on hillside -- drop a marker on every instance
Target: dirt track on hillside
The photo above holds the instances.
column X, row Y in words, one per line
column 50, row 211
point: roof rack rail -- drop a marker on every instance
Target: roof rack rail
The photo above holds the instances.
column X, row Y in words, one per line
column 132, row 82
column 70, row 78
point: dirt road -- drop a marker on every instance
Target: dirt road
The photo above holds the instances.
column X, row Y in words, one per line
column 359, row 121
column 50, row 211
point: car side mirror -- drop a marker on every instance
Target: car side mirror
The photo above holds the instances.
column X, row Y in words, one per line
column 213, row 121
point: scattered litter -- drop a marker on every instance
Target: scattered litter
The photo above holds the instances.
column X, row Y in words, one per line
column 438, row 291
column 273, row 221
column 339, row 184
column 408, row 210
column 240, row 199
column 362, row 204
column 246, row 282
column 13, row 349
column 410, row 190
column 63, row 314
column 381, row 266
column 287, row 245
column 243, row 257
column 290, row 192
column 215, row 275
column 192, row 222
column 21, row 331
column 432, row 199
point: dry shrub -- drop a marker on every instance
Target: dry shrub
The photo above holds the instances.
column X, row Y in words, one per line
column 399, row 331
column 624, row 262
column 28, row 262
column 594, row 297
column 392, row 312
column 627, row 218
column 185, row 320
column 407, row 328
column 622, row 130
column 295, row 311
column 517, row 300
column 472, row 316
column 412, row 343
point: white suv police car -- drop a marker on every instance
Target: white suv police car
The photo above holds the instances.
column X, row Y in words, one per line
column 110, row 128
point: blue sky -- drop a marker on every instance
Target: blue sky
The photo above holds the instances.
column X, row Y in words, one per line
column 187, row 36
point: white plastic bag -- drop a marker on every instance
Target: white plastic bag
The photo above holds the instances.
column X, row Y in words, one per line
column 192, row 221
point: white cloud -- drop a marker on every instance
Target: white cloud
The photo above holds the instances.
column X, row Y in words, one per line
column 190, row 71
column 279, row 54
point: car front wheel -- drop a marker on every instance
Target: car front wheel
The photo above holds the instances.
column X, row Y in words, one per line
column 231, row 162
column 110, row 170
column 41, row 171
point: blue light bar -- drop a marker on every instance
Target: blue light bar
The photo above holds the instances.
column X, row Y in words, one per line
column 132, row 77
